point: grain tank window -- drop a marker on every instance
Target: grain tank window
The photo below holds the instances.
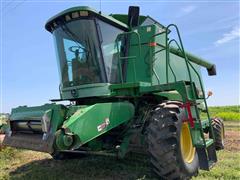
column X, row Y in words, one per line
column 148, row 21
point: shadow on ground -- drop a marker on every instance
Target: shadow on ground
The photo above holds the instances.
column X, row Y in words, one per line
column 91, row 167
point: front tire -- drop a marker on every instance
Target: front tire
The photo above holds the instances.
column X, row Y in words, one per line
column 172, row 154
column 219, row 133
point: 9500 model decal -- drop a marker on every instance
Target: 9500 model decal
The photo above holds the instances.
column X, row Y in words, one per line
column 103, row 125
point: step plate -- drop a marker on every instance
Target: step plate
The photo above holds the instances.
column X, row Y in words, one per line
column 207, row 157
column 30, row 141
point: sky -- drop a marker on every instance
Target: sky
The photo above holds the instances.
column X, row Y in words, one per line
column 29, row 74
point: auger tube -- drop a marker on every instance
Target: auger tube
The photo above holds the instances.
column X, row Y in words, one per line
column 202, row 62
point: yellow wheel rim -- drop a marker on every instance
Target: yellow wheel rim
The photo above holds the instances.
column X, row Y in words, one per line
column 187, row 149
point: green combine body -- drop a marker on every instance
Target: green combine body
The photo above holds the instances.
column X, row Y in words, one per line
column 131, row 89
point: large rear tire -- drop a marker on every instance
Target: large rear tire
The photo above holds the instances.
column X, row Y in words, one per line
column 172, row 154
column 219, row 133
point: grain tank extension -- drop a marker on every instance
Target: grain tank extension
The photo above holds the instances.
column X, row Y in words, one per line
column 131, row 88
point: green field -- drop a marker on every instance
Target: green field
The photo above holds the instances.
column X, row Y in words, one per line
column 23, row 164
column 227, row 113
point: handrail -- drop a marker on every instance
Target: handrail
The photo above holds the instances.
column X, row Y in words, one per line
column 183, row 51
column 204, row 99
column 199, row 78
column 188, row 69
column 128, row 57
column 188, row 65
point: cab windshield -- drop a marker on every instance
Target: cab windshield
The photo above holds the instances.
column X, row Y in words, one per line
column 78, row 53
column 87, row 52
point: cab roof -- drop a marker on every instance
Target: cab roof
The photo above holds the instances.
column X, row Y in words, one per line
column 86, row 11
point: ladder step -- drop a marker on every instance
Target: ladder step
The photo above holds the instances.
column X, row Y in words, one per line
column 209, row 142
column 207, row 157
column 127, row 57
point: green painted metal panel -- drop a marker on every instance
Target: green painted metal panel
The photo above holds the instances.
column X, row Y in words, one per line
column 90, row 122
column 171, row 95
column 124, row 18
column 88, row 90
column 142, row 61
column 177, row 66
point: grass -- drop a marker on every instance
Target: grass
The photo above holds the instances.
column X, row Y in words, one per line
column 229, row 116
column 227, row 167
column 104, row 168
column 217, row 109
column 23, row 165
column 227, row 113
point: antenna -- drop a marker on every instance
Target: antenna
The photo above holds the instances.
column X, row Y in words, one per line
column 100, row 6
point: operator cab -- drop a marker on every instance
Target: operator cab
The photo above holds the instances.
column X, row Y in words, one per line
column 85, row 46
column 95, row 51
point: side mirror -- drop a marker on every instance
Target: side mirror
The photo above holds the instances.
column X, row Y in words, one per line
column 210, row 93
column 212, row 71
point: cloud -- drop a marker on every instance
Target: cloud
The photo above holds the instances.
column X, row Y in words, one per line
column 215, row 25
column 188, row 9
column 185, row 10
column 233, row 34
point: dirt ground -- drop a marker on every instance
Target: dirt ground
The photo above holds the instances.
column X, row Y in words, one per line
column 232, row 141
column 1, row 137
column 1, row 140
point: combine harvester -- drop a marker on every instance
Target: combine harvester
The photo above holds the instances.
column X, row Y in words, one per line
column 131, row 89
